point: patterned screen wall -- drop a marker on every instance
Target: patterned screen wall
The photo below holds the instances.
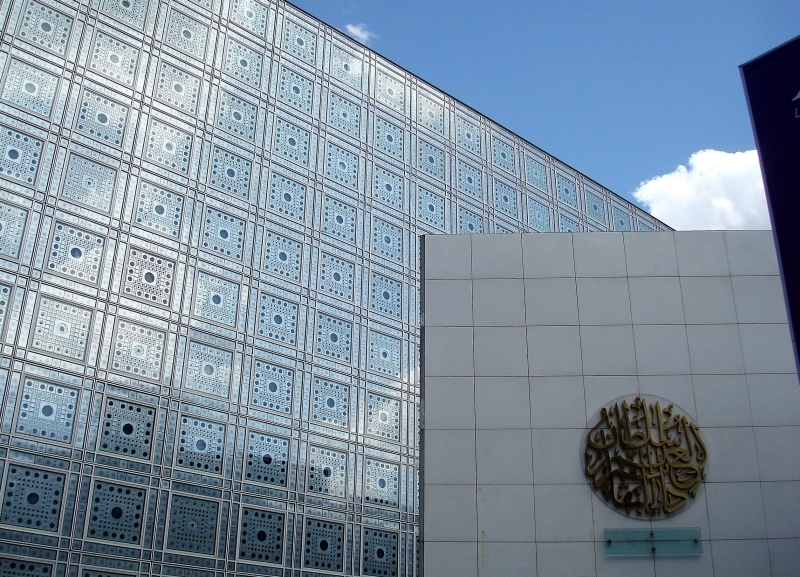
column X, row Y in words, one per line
column 209, row 215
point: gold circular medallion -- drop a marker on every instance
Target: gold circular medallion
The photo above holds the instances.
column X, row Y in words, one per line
column 645, row 457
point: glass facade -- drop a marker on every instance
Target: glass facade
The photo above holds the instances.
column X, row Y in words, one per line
column 209, row 220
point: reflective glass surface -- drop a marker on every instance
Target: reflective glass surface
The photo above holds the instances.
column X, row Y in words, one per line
column 209, row 222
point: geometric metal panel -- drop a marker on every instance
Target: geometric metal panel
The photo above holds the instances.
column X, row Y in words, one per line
column 295, row 89
column 46, row 28
column 223, row 233
column 138, row 350
column 386, row 295
column 324, row 545
column 622, row 221
column 468, row 135
column 430, row 207
column 272, row 387
column 388, row 137
column 201, row 444
column 203, row 3
column 237, row 115
column 384, row 354
column 87, row 573
column 535, row 173
column 299, row 41
column 287, row 197
column 390, row 91
column 469, row 179
column 17, row 568
column 383, row 417
column 334, row 337
column 469, row 222
column 277, row 319
column 116, row 512
column 339, row 219
column 388, row 187
column 341, row 166
column 5, row 294
column 148, row 277
column 32, row 498
column 127, row 429
column 131, row 12
column 291, row 141
column 114, row 58
column 381, row 483
column 251, row 15
column 230, row 172
column 568, row 225
column 336, row 276
column 168, row 146
column 29, row 87
column 193, row 525
column 47, row 411
column 380, row 553
column 267, row 459
column 505, row 198
column 177, row 88
column 431, row 159
column 594, row 207
column 430, row 114
column 387, row 239
column 346, row 67
column 261, row 536
column 243, row 63
column 216, row 299
column 89, row 183
column 159, row 209
column 282, row 256
column 186, row 34
column 209, row 369
column 330, row 403
column 566, row 191
column 102, row 118
column 12, row 229
column 344, row 115
column 502, row 154
column 62, row 328
column 538, row 216
column 20, row 155
column 76, row 252
column 327, row 471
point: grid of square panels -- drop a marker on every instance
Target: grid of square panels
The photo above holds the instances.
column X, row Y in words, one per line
column 208, row 283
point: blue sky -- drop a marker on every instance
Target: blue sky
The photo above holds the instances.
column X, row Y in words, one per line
column 622, row 90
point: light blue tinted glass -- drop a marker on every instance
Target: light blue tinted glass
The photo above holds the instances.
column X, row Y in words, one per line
column 657, row 543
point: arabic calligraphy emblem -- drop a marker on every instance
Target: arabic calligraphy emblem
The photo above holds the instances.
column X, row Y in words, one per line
column 645, row 457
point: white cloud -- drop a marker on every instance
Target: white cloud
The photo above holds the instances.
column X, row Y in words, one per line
column 360, row 33
column 719, row 190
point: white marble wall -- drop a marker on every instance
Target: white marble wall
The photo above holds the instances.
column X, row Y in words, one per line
column 526, row 336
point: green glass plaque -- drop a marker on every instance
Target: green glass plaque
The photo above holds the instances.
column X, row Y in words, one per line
column 657, row 542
